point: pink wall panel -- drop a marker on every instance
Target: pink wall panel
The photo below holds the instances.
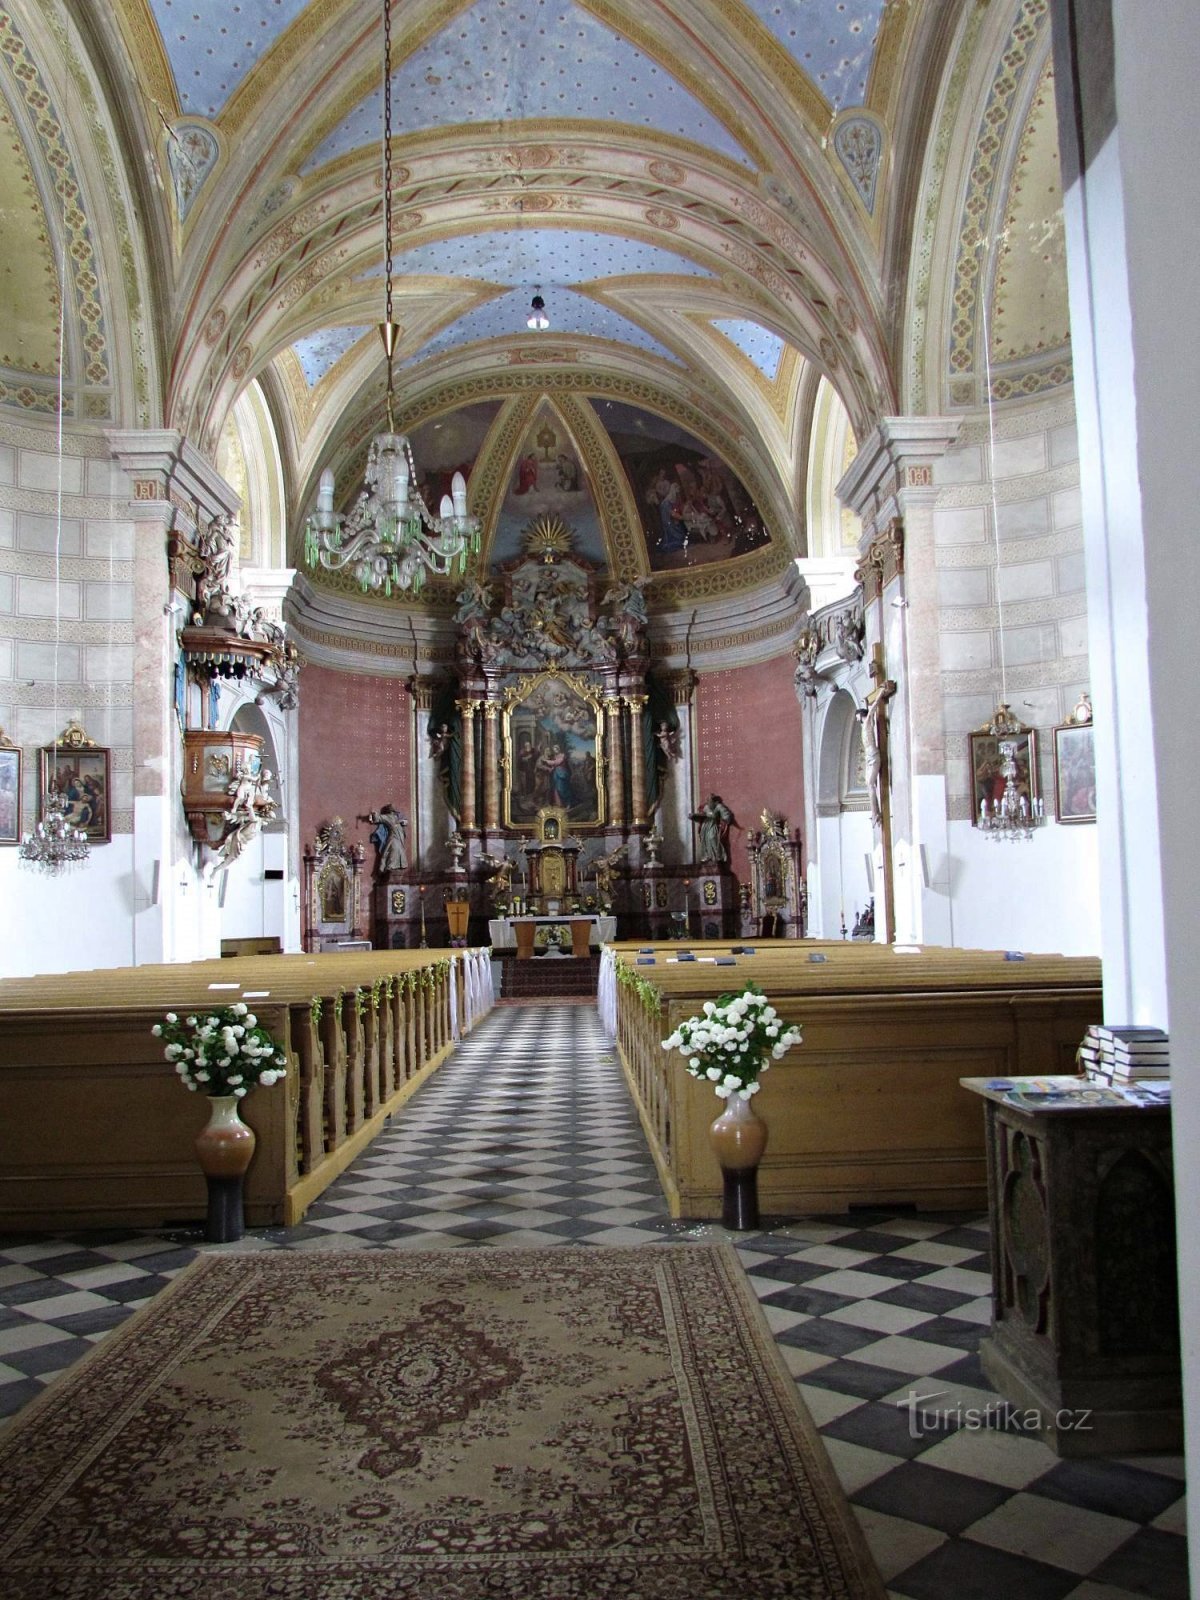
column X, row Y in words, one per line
column 355, row 751
column 748, row 741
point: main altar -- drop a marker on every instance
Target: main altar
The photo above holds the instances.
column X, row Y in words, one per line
column 550, row 757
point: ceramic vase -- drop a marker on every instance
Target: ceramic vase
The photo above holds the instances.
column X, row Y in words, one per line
column 224, row 1147
column 739, row 1137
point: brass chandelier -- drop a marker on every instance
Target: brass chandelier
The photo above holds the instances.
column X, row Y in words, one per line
column 391, row 539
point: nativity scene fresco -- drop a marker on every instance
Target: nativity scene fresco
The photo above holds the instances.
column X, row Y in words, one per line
column 694, row 508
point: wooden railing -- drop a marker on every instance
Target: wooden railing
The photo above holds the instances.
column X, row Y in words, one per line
column 98, row 1131
column 868, row 1110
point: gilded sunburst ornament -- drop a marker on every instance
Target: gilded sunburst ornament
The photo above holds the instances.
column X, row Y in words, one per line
column 548, row 537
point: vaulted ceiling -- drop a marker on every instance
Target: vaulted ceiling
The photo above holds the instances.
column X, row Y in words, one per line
column 714, row 197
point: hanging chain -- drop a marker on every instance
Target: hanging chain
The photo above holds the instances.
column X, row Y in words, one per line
column 387, row 150
column 387, row 193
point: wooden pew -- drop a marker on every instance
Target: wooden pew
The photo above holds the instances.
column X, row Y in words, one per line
column 97, row 1130
column 868, row 1109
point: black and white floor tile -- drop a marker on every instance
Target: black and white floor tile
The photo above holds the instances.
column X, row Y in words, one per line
column 527, row 1136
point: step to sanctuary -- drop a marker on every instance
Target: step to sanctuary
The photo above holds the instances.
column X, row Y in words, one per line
column 548, row 975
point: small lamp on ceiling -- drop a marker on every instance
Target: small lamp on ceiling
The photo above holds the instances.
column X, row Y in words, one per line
column 537, row 320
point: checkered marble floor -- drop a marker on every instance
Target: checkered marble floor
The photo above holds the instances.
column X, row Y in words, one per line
column 527, row 1136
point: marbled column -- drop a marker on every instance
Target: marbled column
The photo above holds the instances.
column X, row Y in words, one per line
column 174, row 490
column 467, row 822
column 491, row 767
column 637, row 758
column 890, row 485
column 616, row 763
column 679, row 792
column 428, row 843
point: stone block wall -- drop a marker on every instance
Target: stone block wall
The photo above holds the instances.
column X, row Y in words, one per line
column 1012, row 608
column 66, row 602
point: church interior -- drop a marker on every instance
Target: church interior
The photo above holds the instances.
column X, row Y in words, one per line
column 573, row 478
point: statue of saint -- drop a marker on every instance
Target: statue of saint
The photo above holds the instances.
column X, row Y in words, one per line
column 714, row 818
column 388, row 838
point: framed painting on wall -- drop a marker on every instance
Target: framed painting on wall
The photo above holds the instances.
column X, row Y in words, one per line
column 988, row 780
column 1075, row 767
column 79, row 770
column 10, row 791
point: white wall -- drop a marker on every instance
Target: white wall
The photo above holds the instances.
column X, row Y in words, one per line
column 66, row 654
column 1156, row 73
column 1013, row 625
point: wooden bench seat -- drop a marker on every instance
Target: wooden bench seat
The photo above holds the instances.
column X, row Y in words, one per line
column 868, row 1110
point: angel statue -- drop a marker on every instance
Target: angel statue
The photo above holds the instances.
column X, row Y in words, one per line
column 500, row 872
column 604, row 870
column 250, row 805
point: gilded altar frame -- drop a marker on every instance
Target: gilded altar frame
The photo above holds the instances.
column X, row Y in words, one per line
column 553, row 751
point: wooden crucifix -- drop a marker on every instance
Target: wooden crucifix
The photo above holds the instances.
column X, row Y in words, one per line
column 873, row 723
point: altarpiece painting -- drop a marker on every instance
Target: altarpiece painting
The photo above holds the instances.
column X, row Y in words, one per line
column 552, row 749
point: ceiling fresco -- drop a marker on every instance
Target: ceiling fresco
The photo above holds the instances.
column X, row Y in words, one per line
column 709, row 195
column 518, row 60
column 548, row 479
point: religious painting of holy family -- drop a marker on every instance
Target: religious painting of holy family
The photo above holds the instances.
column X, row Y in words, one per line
column 552, row 750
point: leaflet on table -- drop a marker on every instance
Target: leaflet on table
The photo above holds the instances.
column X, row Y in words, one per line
column 1069, row 1093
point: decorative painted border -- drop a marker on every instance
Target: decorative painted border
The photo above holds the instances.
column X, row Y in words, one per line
column 56, row 155
column 1026, row 33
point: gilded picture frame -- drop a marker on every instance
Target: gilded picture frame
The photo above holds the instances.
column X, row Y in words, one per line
column 82, row 772
column 987, row 781
column 1074, row 772
column 10, row 792
column 553, row 755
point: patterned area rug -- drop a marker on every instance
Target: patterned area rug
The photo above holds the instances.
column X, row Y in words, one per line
column 560, row 1424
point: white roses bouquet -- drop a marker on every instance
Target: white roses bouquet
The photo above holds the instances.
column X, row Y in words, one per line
column 223, row 1052
column 733, row 1040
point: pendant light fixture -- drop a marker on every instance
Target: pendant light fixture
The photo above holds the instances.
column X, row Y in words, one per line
column 390, row 539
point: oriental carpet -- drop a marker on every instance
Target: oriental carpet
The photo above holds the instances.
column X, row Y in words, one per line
column 559, row 1424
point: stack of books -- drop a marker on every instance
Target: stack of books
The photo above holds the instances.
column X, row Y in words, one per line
column 1124, row 1055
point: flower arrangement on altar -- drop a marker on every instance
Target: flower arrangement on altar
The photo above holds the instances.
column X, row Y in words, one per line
column 223, row 1052
column 733, row 1040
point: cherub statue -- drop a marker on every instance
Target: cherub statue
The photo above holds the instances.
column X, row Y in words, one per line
column 250, row 805
column 806, row 649
column 668, row 741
